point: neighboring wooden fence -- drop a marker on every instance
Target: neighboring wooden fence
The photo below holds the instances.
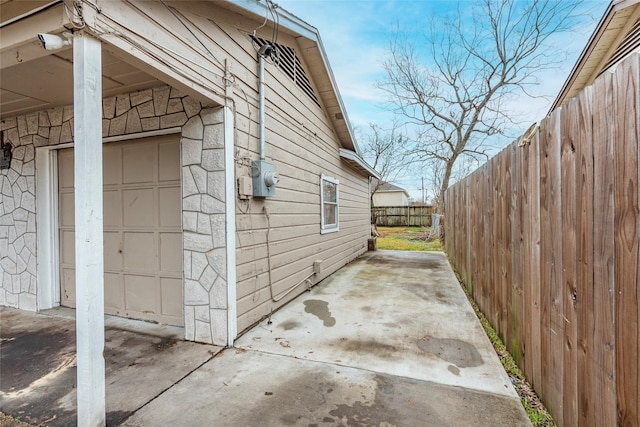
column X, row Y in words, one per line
column 546, row 238
column 402, row 215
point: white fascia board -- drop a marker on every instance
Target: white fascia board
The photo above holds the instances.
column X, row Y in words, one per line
column 29, row 13
column 287, row 19
column 18, row 37
column 334, row 85
column 355, row 158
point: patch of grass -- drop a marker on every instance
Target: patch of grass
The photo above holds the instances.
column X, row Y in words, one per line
column 435, row 245
column 538, row 414
column 399, row 244
column 408, row 239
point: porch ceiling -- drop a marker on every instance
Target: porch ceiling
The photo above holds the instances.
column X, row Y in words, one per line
column 47, row 82
column 32, row 78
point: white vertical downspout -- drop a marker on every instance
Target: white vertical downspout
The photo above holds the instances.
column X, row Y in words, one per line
column 230, row 206
column 87, row 124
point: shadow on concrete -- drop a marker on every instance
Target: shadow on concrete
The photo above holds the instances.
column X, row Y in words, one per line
column 38, row 367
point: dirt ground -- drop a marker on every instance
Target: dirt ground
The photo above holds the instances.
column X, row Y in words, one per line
column 7, row 421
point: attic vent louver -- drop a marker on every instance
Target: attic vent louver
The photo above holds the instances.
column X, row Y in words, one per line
column 290, row 64
column 629, row 43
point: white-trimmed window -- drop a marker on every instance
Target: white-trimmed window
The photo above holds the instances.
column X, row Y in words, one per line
column 329, row 201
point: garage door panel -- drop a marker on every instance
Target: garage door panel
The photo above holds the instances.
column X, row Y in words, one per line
column 139, row 163
column 140, row 251
column 141, row 294
column 67, row 247
column 112, row 250
column 170, row 207
column 68, row 287
column 65, row 168
column 139, row 209
column 172, row 298
column 112, row 165
column 112, row 208
column 170, row 252
column 113, row 293
column 168, row 168
column 66, row 210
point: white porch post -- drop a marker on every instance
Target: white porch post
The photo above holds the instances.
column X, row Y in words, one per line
column 87, row 125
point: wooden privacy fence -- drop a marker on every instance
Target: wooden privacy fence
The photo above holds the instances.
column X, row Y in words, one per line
column 419, row 216
column 546, row 238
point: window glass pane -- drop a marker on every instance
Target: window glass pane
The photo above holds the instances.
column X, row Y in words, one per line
column 329, row 199
column 330, row 214
column 329, row 191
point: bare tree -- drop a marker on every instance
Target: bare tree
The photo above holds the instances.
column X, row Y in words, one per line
column 435, row 173
column 456, row 96
column 383, row 149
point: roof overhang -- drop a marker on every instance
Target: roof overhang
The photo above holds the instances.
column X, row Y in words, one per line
column 356, row 162
column 618, row 19
column 34, row 79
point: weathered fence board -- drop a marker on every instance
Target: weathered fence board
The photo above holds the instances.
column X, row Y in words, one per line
column 600, row 404
column 627, row 233
column 546, row 248
column 413, row 216
column 572, row 136
column 547, row 239
column 556, row 313
column 514, row 339
column 584, row 253
column 534, row 266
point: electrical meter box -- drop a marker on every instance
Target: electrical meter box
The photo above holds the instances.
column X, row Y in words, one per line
column 265, row 178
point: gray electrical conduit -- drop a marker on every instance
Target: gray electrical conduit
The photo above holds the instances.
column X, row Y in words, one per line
column 288, row 291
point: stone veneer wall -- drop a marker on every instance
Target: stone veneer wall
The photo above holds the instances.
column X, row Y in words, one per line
column 203, row 198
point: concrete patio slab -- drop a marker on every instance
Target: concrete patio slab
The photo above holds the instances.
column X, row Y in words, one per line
column 388, row 340
column 399, row 313
column 38, row 365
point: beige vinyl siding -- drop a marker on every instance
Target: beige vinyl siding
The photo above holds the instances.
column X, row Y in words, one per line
column 302, row 142
column 304, row 146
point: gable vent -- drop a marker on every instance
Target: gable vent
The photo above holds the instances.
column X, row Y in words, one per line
column 630, row 43
column 287, row 60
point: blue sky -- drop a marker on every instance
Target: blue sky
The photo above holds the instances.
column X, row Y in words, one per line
column 356, row 35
